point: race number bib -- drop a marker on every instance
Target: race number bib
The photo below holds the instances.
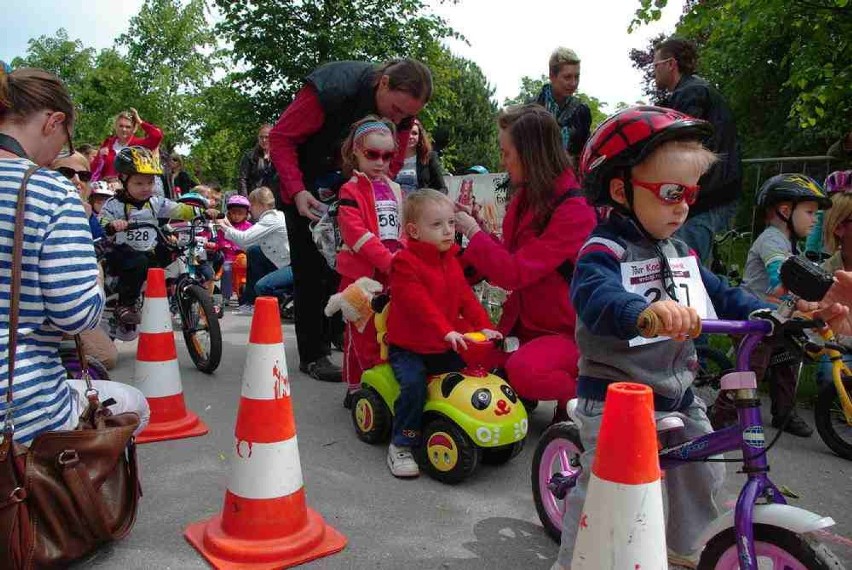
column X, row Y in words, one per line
column 645, row 278
column 142, row 239
column 201, row 252
column 389, row 223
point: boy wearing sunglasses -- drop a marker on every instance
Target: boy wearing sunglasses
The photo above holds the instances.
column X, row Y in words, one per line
column 644, row 163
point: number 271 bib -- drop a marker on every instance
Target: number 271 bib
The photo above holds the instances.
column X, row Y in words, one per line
column 645, row 278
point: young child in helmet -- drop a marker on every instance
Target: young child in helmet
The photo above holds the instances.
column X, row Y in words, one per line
column 136, row 250
column 431, row 307
column 238, row 216
column 101, row 192
column 645, row 163
column 212, row 259
column 789, row 203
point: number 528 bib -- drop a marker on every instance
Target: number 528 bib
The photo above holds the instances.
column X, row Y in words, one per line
column 645, row 278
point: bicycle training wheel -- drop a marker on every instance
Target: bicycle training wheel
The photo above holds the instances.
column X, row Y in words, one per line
column 830, row 420
column 201, row 328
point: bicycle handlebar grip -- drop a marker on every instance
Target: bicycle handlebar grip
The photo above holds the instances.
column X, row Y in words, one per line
column 650, row 325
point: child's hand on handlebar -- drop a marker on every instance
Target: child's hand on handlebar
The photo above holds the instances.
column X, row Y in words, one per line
column 118, row 225
column 491, row 334
column 211, row 213
column 224, row 223
column 676, row 320
column 456, row 340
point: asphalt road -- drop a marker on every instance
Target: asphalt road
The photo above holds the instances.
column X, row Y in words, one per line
column 487, row 522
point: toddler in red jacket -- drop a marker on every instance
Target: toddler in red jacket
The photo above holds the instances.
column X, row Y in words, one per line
column 369, row 219
column 431, row 307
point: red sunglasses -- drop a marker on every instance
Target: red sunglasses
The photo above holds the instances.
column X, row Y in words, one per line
column 670, row 192
column 372, row 154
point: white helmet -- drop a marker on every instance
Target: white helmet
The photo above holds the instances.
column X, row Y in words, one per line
column 101, row 188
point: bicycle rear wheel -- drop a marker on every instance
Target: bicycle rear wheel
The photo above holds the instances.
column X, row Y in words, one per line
column 556, row 455
column 830, row 420
column 201, row 328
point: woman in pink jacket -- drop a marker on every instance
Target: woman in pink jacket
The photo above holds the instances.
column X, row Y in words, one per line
column 125, row 126
column 546, row 223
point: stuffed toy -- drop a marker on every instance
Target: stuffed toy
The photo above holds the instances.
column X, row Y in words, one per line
column 354, row 302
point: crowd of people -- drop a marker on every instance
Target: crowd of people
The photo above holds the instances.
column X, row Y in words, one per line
column 648, row 188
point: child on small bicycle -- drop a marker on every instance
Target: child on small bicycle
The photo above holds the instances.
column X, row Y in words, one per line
column 238, row 216
column 789, row 203
column 645, row 163
column 210, row 262
column 431, row 307
column 266, row 247
column 369, row 221
column 137, row 249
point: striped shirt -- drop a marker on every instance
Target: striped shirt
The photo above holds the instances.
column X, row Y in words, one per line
column 59, row 294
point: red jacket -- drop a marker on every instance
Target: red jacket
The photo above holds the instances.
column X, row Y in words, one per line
column 363, row 253
column 527, row 260
column 430, row 298
column 104, row 165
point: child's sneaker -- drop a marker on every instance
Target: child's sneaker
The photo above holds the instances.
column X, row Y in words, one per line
column 128, row 315
column 401, row 462
column 678, row 561
column 247, row 310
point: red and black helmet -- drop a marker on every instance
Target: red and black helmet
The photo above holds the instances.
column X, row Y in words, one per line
column 626, row 138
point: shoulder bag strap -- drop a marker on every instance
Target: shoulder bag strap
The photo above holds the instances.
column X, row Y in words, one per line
column 15, row 292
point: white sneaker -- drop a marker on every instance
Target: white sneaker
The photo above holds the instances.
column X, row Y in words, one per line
column 244, row 310
column 401, row 462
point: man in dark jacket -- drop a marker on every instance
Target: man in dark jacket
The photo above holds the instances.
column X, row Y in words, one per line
column 674, row 71
column 305, row 149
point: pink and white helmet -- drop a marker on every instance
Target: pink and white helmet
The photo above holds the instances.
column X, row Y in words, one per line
column 101, row 188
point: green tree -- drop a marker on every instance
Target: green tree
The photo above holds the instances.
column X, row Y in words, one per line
column 173, row 51
column 279, row 43
column 530, row 88
column 783, row 67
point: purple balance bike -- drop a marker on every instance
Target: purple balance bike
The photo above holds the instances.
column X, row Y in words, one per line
column 762, row 531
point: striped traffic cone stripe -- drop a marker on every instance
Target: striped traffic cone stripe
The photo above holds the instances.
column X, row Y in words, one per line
column 265, row 521
column 157, row 373
column 622, row 523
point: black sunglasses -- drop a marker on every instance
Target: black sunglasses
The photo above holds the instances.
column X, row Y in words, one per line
column 70, row 173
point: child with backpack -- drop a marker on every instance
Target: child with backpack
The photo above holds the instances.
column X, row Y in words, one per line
column 368, row 216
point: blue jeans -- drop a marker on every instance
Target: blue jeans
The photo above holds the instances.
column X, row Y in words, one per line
column 263, row 278
column 698, row 231
column 411, row 370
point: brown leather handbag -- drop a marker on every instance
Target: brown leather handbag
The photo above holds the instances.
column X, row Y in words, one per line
column 69, row 491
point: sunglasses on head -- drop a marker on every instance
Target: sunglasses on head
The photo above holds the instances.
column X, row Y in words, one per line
column 372, row 154
column 70, row 173
column 670, row 192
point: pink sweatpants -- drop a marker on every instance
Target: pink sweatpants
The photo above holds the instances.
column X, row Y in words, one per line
column 545, row 368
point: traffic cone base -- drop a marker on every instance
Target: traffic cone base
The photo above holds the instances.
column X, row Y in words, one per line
column 171, row 420
column 314, row 540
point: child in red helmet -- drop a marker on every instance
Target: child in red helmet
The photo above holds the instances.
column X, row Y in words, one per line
column 645, row 163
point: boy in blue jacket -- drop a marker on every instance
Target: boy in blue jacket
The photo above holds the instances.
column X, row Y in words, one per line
column 644, row 163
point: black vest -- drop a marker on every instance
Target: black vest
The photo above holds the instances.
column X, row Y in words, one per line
column 346, row 92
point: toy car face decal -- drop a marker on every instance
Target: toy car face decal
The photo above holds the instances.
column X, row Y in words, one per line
column 442, row 451
column 364, row 415
column 502, row 408
column 507, row 390
column 481, row 399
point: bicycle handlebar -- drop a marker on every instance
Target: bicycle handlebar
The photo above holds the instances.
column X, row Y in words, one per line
column 650, row 326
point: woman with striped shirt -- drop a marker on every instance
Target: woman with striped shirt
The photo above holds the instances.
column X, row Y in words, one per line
column 60, row 292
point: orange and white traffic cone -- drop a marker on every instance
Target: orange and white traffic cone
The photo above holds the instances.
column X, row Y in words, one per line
column 622, row 523
column 157, row 373
column 265, row 522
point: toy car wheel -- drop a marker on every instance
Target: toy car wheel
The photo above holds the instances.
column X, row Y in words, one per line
column 370, row 416
column 501, row 455
column 447, row 453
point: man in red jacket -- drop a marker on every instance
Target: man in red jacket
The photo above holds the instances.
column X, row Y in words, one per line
column 432, row 306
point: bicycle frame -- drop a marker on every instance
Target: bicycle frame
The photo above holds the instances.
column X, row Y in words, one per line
column 747, row 435
column 838, row 371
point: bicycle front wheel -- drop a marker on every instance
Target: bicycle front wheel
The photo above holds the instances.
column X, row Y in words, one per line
column 830, row 420
column 201, row 328
column 776, row 549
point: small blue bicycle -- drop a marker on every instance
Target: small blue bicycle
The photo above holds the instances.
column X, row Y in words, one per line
column 762, row 531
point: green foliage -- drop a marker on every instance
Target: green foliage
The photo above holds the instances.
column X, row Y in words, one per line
column 530, row 88
column 172, row 49
column 279, row 43
column 784, row 68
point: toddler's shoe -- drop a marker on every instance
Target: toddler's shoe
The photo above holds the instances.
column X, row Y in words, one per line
column 128, row 315
column 247, row 310
column 678, row 561
column 795, row 425
column 401, row 462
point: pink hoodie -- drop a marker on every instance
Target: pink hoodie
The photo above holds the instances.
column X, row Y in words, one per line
column 226, row 246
